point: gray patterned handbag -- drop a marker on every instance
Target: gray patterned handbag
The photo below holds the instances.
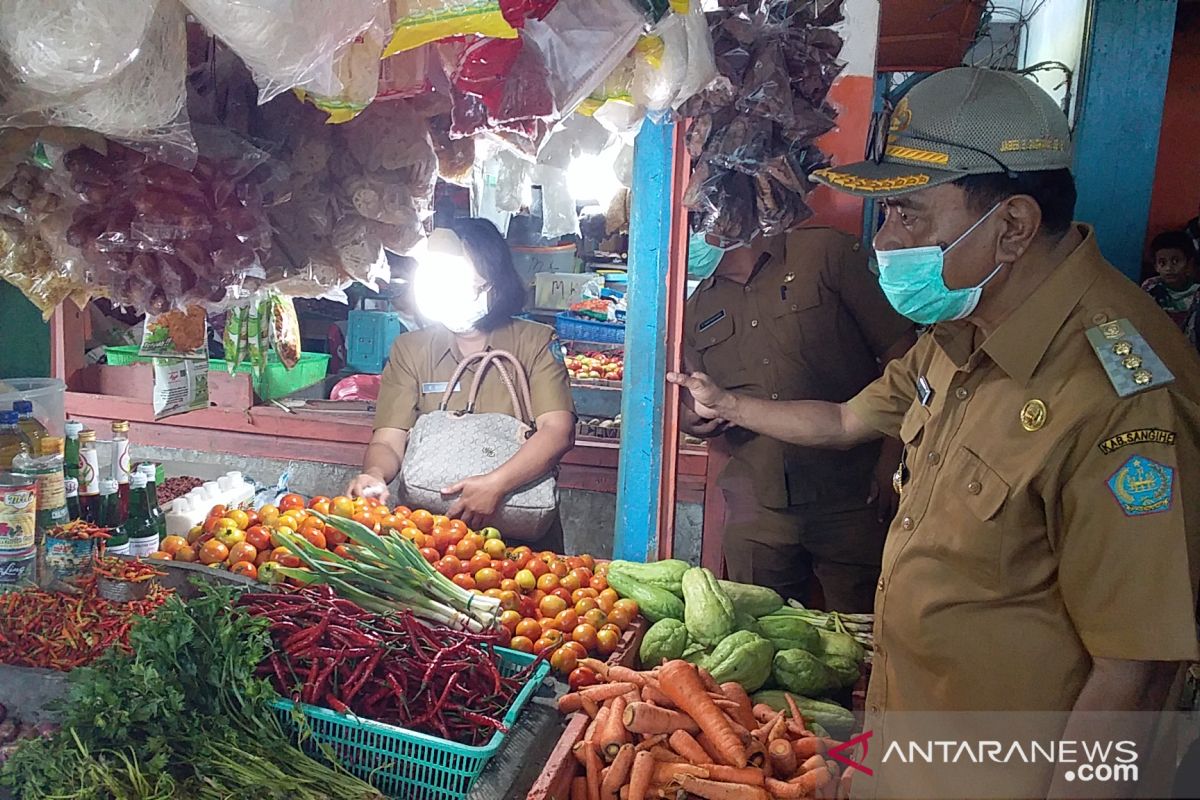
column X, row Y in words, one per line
column 444, row 447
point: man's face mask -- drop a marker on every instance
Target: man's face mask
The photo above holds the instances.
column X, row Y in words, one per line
column 703, row 258
column 911, row 278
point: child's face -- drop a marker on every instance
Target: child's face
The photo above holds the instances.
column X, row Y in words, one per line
column 1174, row 267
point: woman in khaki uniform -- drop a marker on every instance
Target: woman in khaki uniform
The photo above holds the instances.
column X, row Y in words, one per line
column 422, row 362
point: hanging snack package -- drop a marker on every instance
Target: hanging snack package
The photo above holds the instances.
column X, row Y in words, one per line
column 418, row 22
column 288, row 44
column 234, row 337
column 176, row 334
column 143, row 104
column 180, row 386
column 581, row 43
column 285, row 330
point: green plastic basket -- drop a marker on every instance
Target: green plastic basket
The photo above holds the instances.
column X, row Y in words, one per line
column 406, row 764
column 278, row 381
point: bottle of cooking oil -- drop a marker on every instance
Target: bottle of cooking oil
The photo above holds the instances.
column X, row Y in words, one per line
column 13, row 440
column 47, row 469
column 29, row 424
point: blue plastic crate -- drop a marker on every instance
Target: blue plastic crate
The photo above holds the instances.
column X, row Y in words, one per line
column 573, row 328
column 369, row 336
column 404, row 764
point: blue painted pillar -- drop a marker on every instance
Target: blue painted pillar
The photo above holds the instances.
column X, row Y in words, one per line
column 1127, row 51
column 641, row 461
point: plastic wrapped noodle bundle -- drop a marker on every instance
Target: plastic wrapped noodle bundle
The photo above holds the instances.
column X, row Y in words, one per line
column 357, row 70
column 288, row 43
column 58, row 47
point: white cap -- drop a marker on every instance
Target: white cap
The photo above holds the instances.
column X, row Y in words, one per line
column 137, row 481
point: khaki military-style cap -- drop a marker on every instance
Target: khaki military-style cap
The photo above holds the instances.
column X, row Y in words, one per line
column 961, row 121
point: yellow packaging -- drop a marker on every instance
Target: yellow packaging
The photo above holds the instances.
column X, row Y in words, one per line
column 419, row 22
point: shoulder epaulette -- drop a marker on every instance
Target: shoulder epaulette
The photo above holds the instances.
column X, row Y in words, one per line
column 1127, row 359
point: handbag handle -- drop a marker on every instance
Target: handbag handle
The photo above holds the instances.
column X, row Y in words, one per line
column 522, row 402
column 457, row 376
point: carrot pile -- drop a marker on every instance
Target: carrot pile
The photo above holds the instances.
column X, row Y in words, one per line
column 673, row 728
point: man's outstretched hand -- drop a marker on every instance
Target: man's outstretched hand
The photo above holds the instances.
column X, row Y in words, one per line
column 708, row 399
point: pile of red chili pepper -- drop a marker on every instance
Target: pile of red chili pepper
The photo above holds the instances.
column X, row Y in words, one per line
column 78, row 530
column 118, row 569
column 394, row 669
column 65, row 631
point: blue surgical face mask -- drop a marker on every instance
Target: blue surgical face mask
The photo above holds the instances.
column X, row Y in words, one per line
column 911, row 278
column 703, row 257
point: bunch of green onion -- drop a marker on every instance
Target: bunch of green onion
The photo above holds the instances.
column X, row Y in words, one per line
column 386, row 574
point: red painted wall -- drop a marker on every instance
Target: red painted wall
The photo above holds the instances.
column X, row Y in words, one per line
column 1177, row 174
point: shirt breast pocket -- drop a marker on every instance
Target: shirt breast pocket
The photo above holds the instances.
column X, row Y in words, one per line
column 974, row 495
column 797, row 313
column 716, row 330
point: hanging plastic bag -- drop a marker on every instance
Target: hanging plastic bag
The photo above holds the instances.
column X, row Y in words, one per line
column 357, row 69
column 142, row 104
column 180, row 386
column 701, row 63
column 418, row 22
column 285, row 330
column 288, row 44
column 59, row 47
column 581, row 42
column 558, row 205
column 662, row 66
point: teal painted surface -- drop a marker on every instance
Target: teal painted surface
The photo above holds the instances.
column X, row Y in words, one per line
column 1127, row 53
column 24, row 337
column 640, row 466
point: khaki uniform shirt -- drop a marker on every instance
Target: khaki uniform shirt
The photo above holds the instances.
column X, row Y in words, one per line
column 422, row 362
column 809, row 325
column 1046, row 520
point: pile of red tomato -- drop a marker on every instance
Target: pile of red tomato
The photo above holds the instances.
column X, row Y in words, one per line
column 549, row 601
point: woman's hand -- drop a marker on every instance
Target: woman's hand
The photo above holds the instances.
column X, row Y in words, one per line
column 478, row 499
column 367, row 484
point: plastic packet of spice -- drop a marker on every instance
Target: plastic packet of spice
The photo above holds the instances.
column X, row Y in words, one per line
column 176, row 334
column 180, row 386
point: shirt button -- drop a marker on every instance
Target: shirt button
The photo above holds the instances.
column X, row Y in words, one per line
column 974, row 487
column 874, row 708
column 962, row 393
column 1100, row 319
column 753, row 323
column 794, row 306
column 766, row 361
column 933, row 458
column 880, row 584
column 907, row 523
column 746, row 288
column 774, row 396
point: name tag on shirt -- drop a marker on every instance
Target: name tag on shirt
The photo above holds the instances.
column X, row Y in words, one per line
column 924, row 391
column 713, row 320
column 438, row 388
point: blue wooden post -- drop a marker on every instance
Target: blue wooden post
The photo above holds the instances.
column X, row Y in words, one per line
column 640, row 467
column 1127, row 51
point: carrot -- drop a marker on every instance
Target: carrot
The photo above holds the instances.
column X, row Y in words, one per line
column 570, row 703
column 796, row 724
column 683, row 743
column 808, row 747
column 617, row 775
column 612, row 735
column 778, row 731
column 607, row 691
column 623, row 793
column 593, row 766
column 782, row 758
column 665, row 755
column 763, row 732
column 708, row 682
column 666, row 773
column 745, row 713
column 601, row 716
column 813, row 763
column 756, row 753
column 763, row 712
column 641, row 775
column 579, row 789
column 681, row 682
column 645, row 718
column 723, row 703
column 652, row 694
column 579, row 750
column 802, row 786
column 844, row 784
column 706, row 744
column 595, row 665
column 650, row 741
column 589, row 706
column 720, row 790
column 750, row 776
column 627, row 675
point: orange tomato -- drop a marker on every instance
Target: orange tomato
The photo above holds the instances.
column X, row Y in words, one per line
column 509, row 599
column 619, row 617
column 598, row 582
column 390, row 521
column 161, row 555
column 559, row 568
column 258, row 537
column 296, row 515
column 243, row 551
column 588, row 561
column 480, row 561
column 510, row 585
column 525, row 580
column 466, row 549
column 566, row 620
column 570, row 582
column 217, row 511
column 458, row 525
column 422, row 519
column 195, row 533
column 494, row 548
column 430, row 554
column 440, row 519
column 341, row 550
column 464, row 580
column 372, row 502
column 495, row 593
column 537, row 567
column 333, row 536
column 263, row 558
column 320, row 498
column 403, row 512
column 564, row 660
column 321, row 506
column 341, row 506
column 579, row 649
column 509, row 619
column 268, row 515
column 241, row 518
column 530, row 628
column 584, row 605
column 170, row 544
column 285, row 557
column 366, row 519
column 291, row 501
column 607, row 600
column 573, row 562
column 246, row 568
column 630, row 606
column 550, row 638
column 312, row 522
column 551, row 606
column 585, row 634
column 186, row 553
column 315, row 537
column 522, row 643
column 595, row 617
column 607, row 640
column 548, row 582
column 487, row 578
column 582, row 593
column 213, row 552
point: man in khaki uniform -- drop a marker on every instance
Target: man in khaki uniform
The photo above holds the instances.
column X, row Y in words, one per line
column 795, row 317
column 1044, row 555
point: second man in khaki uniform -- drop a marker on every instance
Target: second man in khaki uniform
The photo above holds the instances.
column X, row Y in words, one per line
column 798, row 317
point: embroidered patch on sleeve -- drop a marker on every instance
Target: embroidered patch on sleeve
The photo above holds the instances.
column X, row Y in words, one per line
column 1142, row 486
column 1138, row 436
